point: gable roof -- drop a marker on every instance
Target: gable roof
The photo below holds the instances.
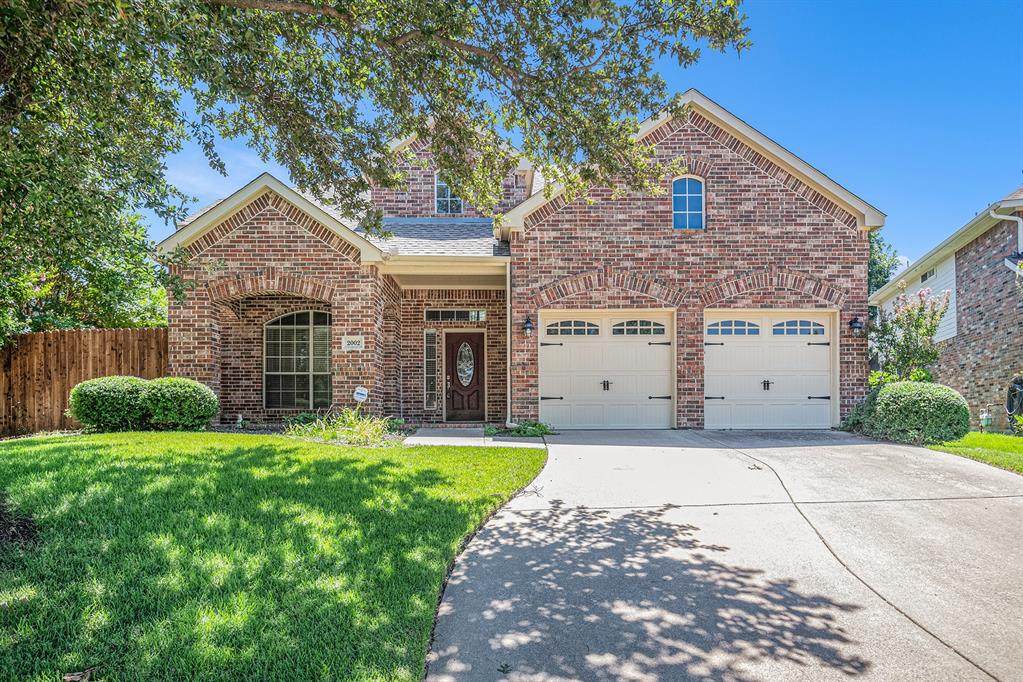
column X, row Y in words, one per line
column 978, row 225
column 195, row 226
column 867, row 216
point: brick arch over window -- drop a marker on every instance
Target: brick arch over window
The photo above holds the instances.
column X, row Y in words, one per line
column 774, row 278
column 608, row 277
column 269, row 281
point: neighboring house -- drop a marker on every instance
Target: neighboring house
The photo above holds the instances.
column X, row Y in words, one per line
column 724, row 302
column 982, row 331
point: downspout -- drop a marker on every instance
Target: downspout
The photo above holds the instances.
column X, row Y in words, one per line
column 1016, row 266
column 508, row 344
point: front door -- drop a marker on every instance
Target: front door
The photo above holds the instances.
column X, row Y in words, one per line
column 464, row 381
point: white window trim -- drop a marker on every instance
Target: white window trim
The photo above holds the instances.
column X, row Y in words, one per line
column 461, row 203
column 703, row 204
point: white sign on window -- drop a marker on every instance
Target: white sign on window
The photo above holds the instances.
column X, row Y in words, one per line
column 353, row 343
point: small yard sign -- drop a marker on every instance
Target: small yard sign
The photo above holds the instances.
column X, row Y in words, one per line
column 353, row 343
column 360, row 394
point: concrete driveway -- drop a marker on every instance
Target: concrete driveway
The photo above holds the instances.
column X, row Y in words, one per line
column 676, row 555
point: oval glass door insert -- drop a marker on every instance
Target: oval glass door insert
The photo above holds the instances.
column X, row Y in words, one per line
column 465, row 364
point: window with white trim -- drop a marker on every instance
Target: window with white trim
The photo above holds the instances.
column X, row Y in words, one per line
column 687, row 203
column 638, row 328
column 733, row 328
column 572, row 328
column 798, row 328
column 456, row 315
column 430, row 369
column 296, row 361
column 446, row 201
column 927, row 275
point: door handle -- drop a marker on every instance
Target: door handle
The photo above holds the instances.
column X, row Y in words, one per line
column 766, row 383
column 447, row 386
column 607, row 384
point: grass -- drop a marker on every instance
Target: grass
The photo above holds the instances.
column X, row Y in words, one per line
column 232, row 556
column 996, row 449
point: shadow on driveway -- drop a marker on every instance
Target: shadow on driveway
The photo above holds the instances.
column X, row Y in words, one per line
column 577, row 593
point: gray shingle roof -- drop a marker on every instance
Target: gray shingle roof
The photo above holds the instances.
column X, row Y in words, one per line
column 441, row 237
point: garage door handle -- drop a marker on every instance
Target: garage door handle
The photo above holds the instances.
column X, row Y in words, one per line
column 547, row 397
column 713, row 397
column 713, row 343
column 818, row 397
column 658, row 397
column 543, row 343
column 659, row 343
column 818, row 343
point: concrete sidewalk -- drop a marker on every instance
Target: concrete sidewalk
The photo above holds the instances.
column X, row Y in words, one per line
column 469, row 437
column 678, row 555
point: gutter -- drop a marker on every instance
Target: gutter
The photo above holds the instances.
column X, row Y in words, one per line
column 1014, row 263
column 507, row 344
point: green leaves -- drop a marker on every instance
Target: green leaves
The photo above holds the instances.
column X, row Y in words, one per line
column 94, row 96
column 902, row 336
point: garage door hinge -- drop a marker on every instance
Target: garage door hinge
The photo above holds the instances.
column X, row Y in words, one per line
column 547, row 397
column 818, row 397
column 658, row 343
column 818, row 343
column 713, row 397
column 658, row 397
column 545, row 343
column 713, row 343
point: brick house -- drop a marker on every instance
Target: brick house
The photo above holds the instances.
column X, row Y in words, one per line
column 980, row 334
column 728, row 301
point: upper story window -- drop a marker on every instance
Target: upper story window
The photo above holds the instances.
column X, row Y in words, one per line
column 445, row 200
column 687, row 211
column 927, row 275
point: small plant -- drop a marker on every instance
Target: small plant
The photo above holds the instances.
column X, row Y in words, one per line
column 902, row 337
column 1017, row 424
column 490, row 431
column 529, row 429
column 175, row 403
column 109, row 404
column 300, row 419
column 349, row 426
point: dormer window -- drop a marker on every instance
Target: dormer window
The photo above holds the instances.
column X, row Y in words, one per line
column 445, row 200
column 687, row 203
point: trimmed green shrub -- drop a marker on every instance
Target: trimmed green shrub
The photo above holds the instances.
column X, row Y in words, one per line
column 915, row 412
column 174, row 403
column 109, row 404
column 860, row 416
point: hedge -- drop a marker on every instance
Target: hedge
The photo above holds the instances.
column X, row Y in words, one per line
column 121, row 403
column 912, row 412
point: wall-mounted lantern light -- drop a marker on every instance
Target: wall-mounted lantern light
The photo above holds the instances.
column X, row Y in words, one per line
column 857, row 327
column 527, row 327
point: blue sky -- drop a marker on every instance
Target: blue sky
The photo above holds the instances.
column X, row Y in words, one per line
column 916, row 107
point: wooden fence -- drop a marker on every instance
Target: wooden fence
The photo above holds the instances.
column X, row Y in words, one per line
column 37, row 371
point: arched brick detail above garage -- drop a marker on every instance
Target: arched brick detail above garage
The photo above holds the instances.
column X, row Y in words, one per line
column 776, row 279
column 608, row 278
column 269, row 281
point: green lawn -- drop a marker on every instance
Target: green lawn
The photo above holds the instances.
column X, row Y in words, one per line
column 231, row 557
column 996, row 449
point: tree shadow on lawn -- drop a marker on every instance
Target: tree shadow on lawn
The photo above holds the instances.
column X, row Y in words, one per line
column 592, row 594
column 246, row 562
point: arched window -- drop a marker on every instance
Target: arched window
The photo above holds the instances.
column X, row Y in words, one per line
column 638, row 328
column 798, row 328
column 687, row 209
column 733, row 328
column 296, row 361
column 572, row 328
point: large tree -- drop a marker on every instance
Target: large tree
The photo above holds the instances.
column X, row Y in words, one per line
column 883, row 264
column 94, row 95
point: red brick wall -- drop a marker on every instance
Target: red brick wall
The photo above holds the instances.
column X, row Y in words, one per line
column 417, row 200
column 986, row 351
column 770, row 241
column 414, row 304
column 270, row 248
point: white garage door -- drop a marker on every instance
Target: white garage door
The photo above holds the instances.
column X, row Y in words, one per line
column 768, row 370
column 606, row 371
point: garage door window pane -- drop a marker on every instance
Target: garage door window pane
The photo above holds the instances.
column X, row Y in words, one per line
column 572, row 328
column 638, row 328
column 733, row 328
column 798, row 328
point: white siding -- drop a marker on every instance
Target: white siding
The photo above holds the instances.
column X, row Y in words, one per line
column 944, row 278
